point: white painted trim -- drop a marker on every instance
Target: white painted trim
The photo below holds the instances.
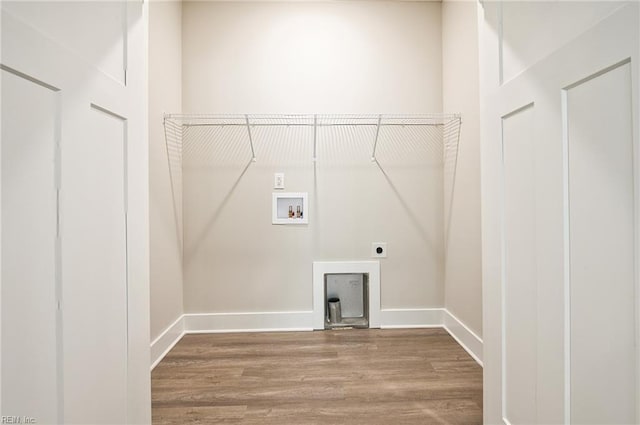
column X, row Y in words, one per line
column 166, row 341
column 248, row 322
column 503, row 273
column 290, row 321
column 320, row 268
column 635, row 106
column 399, row 318
column 566, row 241
column 503, row 256
column 468, row 339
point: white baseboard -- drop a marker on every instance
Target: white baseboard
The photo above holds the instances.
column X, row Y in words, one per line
column 471, row 342
column 166, row 341
column 303, row 321
column 249, row 322
column 411, row 318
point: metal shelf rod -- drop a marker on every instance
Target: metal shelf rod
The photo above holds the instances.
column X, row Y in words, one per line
column 319, row 125
column 375, row 143
column 253, row 152
column 315, row 135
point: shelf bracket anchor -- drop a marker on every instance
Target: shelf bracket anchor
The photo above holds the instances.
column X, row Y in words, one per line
column 253, row 152
column 375, row 143
column 315, row 136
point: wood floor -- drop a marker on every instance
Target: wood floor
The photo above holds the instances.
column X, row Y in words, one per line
column 367, row 376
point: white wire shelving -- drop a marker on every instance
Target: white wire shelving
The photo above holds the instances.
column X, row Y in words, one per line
column 425, row 140
column 175, row 123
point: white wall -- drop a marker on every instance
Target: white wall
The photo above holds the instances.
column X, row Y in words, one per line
column 165, row 212
column 346, row 57
column 461, row 93
column 558, row 124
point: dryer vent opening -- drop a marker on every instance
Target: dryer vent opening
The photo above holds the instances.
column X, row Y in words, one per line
column 348, row 293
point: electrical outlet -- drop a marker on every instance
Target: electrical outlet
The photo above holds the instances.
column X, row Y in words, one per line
column 278, row 181
column 379, row 250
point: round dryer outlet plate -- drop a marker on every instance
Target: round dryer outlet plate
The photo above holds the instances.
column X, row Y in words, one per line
column 379, row 250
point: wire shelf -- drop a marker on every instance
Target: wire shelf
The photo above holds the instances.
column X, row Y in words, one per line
column 235, row 140
column 309, row 119
column 176, row 123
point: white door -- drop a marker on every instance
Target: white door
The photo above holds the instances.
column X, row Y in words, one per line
column 560, row 177
column 30, row 288
column 74, row 188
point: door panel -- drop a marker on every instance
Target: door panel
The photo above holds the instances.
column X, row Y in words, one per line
column 520, row 307
column 600, row 142
column 570, row 284
column 29, row 220
column 82, row 49
column 98, row 344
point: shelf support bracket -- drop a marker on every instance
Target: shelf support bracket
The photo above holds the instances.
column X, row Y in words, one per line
column 315, row 136
column 375, row 143
column 253, row 152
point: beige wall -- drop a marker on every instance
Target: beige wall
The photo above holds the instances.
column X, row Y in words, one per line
column 279, row 58
column 305, row 57
column 460, row 87
column 165, row 96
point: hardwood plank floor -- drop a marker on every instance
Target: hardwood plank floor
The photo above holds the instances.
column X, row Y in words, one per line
column 351, row 377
